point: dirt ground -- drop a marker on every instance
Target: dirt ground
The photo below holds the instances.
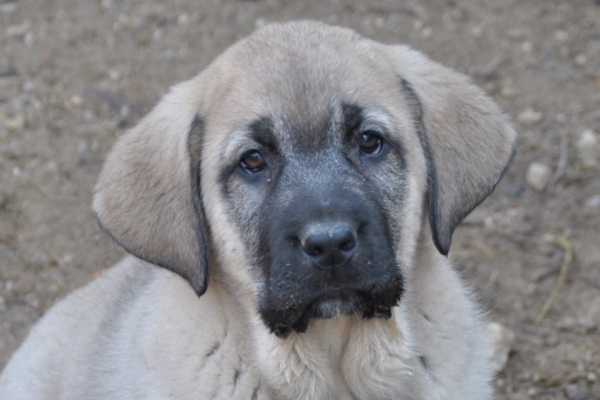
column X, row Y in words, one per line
column 74, row 75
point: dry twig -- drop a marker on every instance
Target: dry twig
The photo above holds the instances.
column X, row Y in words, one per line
column 562, row 161
column 565, row 244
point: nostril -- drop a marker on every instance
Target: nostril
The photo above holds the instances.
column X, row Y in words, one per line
column 330, row 243
column 346, row 238
column 293, row 241
column 348, row 245
column 314, row 244
column 313, row 250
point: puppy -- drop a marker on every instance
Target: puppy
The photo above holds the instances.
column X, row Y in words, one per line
column 300, row 195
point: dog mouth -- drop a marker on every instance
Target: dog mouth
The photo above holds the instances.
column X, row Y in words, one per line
column 376, row 301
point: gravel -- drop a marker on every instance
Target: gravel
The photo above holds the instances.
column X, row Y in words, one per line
column 74, row 75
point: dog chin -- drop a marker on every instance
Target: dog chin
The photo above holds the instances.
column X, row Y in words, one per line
column 333, row 308
column 330, row 307
column 340, row 308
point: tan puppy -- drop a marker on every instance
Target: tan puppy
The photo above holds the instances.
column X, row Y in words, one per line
column 316, row 177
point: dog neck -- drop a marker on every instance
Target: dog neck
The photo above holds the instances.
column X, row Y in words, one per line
column 338, row 358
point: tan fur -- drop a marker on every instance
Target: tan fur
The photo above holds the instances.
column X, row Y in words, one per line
column 141, row 332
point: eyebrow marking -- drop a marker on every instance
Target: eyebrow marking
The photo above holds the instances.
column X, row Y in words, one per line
column 353, row 117
column 262, row 132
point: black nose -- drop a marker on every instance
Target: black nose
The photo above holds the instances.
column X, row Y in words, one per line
column 329, row 243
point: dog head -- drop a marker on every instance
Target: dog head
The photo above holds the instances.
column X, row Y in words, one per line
column 302, row 164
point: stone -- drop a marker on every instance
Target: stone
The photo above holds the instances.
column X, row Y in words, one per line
column 530, row 117
column 580, row 59
column 577, row 391
column 73, row 102
column 527, row 47
column 500, row 343
column 16, row 123
column 561, row 36
column 537, row 176
column 17, row 30
column 587, row 149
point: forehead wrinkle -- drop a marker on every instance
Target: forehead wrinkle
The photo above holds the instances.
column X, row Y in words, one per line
column 378, row 115
column 301, row 127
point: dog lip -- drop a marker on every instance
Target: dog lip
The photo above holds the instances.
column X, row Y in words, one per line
column 336, row 291
column 333, row 301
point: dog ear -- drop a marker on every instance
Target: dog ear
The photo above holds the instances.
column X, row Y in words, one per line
column 467, row 140
column 148, row 194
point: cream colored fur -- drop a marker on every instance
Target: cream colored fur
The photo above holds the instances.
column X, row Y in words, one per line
column 142, row 332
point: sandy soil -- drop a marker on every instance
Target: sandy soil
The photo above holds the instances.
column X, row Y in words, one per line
column 75, row 74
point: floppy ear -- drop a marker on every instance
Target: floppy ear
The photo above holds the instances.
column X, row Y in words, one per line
column 468, row 142
column 148, row 197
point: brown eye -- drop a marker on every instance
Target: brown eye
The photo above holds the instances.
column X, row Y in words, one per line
column 370, row 143
column 252, row 162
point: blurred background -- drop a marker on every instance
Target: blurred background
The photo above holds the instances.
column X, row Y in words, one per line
column 74, row 75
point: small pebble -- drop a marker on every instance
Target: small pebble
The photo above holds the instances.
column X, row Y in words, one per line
column 508, row 91
column 426, row 32
column 17, row 30
column 477, row 31
column 577, row 391
column 587, row 139
column 66, row 259
column 530, row 116
column 561, row 36
column 260, row 22
column 8, row 8
column 538, row 176
column 97, row 274
column 513, row 191
column 567, row 323
column 526, row 47
column 379, row 22
column 183, row 19
column 580, row 59
column 114, row 75
column 587, row 149
column 16, row 123
column 81, row 148
column 7, row 70
column 593, row 202
column 124, row 19
column 500, row 344
column 73, row 102
column 29, row 38
column 28, row 86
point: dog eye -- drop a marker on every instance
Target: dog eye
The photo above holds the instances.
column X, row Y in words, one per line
column 252, row 162
column 370, row 143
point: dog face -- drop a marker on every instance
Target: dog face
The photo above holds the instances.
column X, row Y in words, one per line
column 313, row 201
column 302, row 164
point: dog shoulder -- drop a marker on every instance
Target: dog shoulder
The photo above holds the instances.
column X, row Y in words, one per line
column 52, row 351
column 446, row 329
column 134, row 324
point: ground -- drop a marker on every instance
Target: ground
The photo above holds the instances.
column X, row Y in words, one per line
column 74, row 75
